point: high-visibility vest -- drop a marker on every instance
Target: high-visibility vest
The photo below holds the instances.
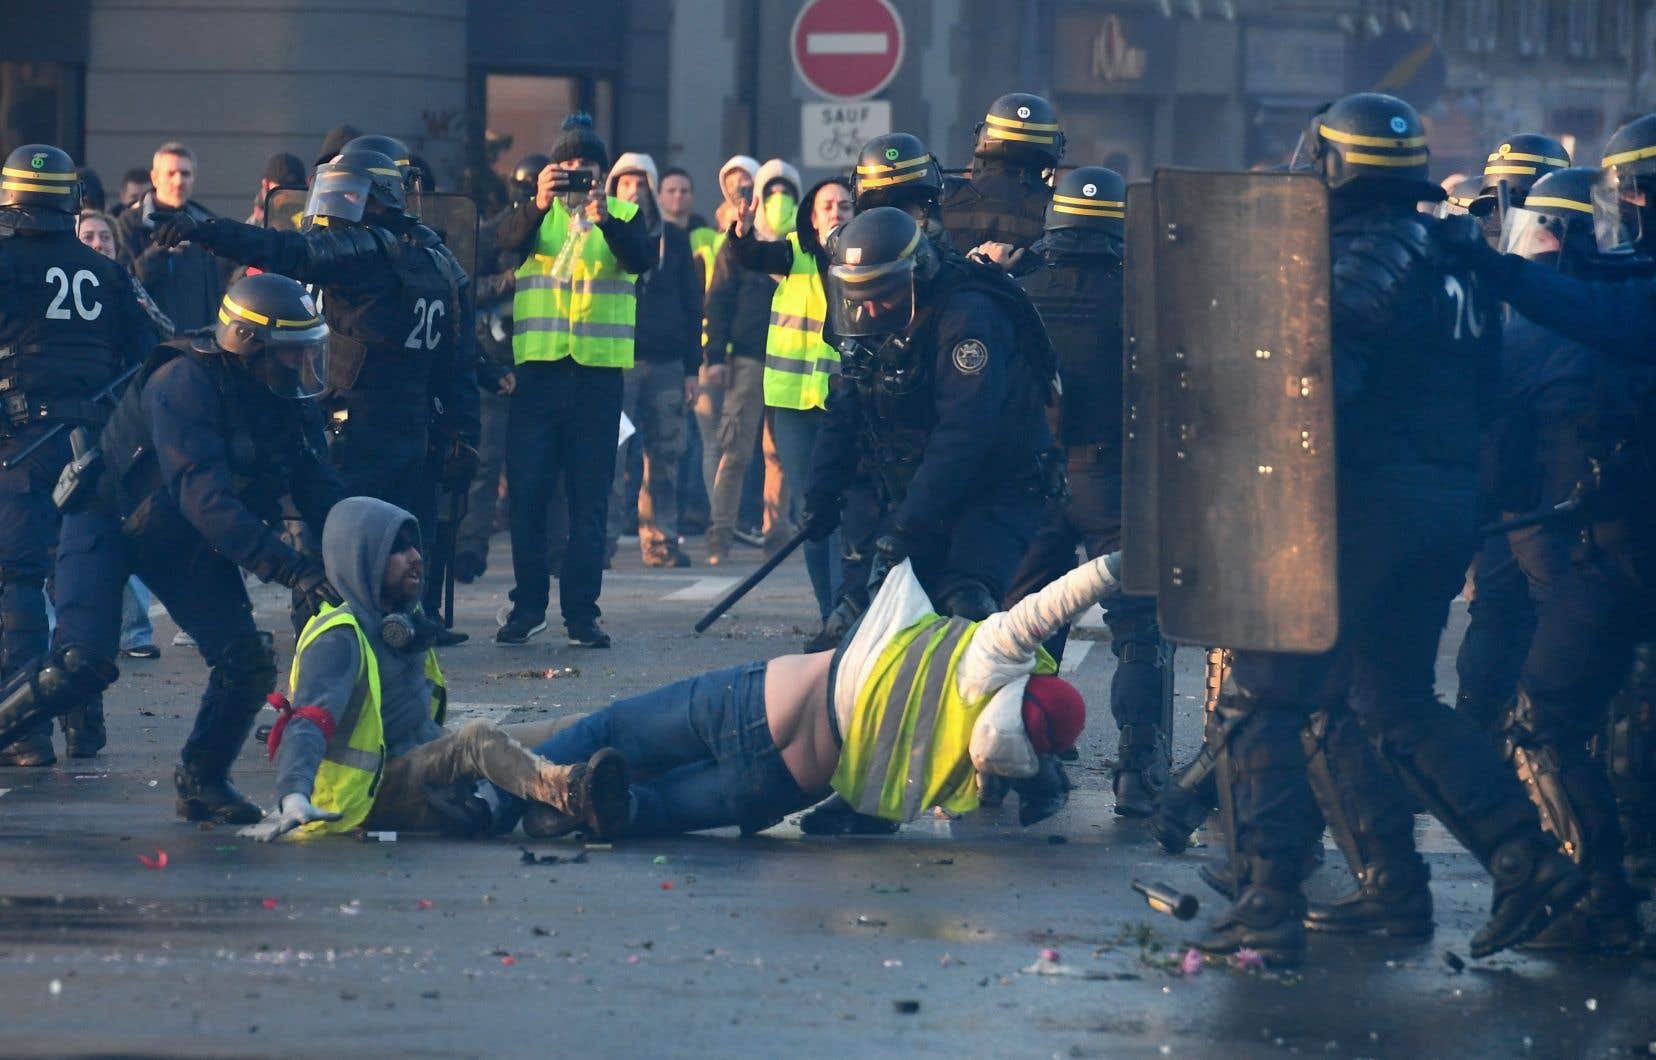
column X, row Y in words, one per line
column 349, row 776
column 908, row 746
column 797, row 361
column 704, row 244
column 590, row 316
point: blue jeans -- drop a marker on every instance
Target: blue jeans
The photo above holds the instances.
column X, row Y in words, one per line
column 136, row 630
column 795, row 431
column 704, row 748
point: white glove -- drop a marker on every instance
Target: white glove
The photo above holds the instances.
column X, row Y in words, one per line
column 295, row 810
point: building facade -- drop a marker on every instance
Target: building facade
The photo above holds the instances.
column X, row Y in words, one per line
column 473, row 85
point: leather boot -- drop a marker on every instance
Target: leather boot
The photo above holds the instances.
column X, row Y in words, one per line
column 596, row 798
column 1606, row 921
column 1535, row 885
column 33, row 748
column 237, row 683
column 83, row 729
column 1141, row 770
column 1267, row 917
column 1389, row 900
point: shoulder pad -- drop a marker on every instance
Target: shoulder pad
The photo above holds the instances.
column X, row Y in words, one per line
column 337, row 242
column 1379, row 266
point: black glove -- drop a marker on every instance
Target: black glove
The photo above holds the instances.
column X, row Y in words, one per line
column 820, row 519
column 459, row 467
column 306, row 577
column 173, row 227
column 1462, row 238
column 889, row 550
column 1043, row 794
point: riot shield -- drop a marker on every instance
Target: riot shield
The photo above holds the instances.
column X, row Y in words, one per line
column 454, row 217
column 1245, row 483
column 1139, row 534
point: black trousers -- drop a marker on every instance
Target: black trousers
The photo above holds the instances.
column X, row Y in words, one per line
column 565, row 420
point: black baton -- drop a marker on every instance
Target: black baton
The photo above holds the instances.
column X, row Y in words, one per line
column 750, row 581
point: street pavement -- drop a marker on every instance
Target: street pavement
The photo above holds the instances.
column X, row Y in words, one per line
column 963, row 938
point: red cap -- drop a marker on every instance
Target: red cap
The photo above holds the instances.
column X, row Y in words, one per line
column 1053, row 714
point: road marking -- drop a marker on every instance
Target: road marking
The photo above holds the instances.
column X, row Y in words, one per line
column 1093, row 618
column 4, row 792
column 1075, row 653
column 846, row 43
column 704, row 589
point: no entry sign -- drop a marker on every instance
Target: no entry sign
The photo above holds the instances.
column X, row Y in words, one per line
column 847, row 49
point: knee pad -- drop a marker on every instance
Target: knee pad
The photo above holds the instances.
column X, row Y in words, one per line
column 246, row 668
column 74, row 673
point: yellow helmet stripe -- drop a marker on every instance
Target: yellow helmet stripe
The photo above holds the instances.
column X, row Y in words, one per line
column 885, row 182
column 1355, row 140
column 1515, row 156
column 382, row 171
column 244, row 312
column 1363, row 158
column 1554, row 201
column 1013, row 123
column 34, row 174
column 1512, row 170
column 907, row 163
column 1077, row 201
column 297, row 324
column 1624, row 157
column 1003, row 134
column 1088, row 213
column 19, row 185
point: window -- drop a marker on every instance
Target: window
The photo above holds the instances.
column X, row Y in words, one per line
column 1581, row 27
column 1480, row 26
column 1532, row 27
column 523, row 114
column 1618, row 28
column 42, row 103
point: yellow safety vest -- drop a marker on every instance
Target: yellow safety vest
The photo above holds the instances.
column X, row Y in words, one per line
column 588, row 317
column 704, row 244
column 797, row 361
column 349, row 776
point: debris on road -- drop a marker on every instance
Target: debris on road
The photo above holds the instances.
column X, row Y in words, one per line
column 1453, row 960
column 159, row 861
column 906, row 1006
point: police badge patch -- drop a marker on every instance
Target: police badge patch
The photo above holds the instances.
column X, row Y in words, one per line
column 970, row 357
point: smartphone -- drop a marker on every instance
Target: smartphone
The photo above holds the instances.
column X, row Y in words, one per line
column 579, row 180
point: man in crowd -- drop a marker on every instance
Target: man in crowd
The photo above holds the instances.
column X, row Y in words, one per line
column 185, row 279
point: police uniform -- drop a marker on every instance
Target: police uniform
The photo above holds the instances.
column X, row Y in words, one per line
column 1413, row 350
column 1078, row 290
column 196, row 458
column 396, row 306
column 1005, row 200
column 69, row 320
column 951, row 435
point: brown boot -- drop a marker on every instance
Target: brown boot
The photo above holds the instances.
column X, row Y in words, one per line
column 595, row 796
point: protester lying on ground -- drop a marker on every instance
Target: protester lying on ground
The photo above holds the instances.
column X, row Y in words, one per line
column 366, row 747
column 901, row 718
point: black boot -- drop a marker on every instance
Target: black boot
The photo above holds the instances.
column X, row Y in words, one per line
column 835, row 816
column 1535, row 885
column 1605, row 921
column 1191, row 797
column 33, row 748
column 83, row 729
column 1267, row 917
column 1373, row 826
column 1141, row 770
column 240, row 678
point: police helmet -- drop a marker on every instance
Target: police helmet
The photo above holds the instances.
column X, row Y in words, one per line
column 1461, row 196
column 343, row 188
column 878, row 256
column 526, row 176
column 1624, row 201
column 271, row 325
column 1023, row 128
column 1374, row 141
column 896, row 170
column 1555, row 224
column 390, row 147
column 40, row 175
column 1088, row 199
column 1518, row 163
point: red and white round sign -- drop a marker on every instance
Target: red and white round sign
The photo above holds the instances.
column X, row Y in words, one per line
column 847, row 49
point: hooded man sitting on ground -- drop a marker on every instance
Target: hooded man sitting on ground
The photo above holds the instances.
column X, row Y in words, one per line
column 371, row 706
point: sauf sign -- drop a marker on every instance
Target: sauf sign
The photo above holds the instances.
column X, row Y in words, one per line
column 831, row 133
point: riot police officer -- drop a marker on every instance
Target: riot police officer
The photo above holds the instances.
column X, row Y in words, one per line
column 68, row 321
column 395, row 306
column 194, row 462
column 1412, row 340
column 896, row 169
column 1509, row 173
column 1078, row 289
column 1005, row 200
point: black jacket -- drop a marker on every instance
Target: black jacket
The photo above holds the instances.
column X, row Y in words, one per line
column 670, row 305
column 1079, row 298
column 738, row 309
column 186, row 282
column 199, row 452
column 1002, row 203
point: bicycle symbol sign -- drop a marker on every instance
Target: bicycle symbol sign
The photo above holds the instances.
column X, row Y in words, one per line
column 831, row 134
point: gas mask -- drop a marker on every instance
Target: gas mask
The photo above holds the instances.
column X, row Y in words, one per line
column 410, row 631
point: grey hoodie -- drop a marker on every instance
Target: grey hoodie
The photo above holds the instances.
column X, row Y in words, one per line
column 356, row 542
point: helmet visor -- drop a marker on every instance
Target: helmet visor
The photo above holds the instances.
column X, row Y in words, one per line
column 871, row 301
column 294, row 363
column 1530, row 234
column 1617, row 214
column 340, row 194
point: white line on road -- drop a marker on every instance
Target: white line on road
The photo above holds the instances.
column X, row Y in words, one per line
column 1092, row 619
column 846, row 43
column 1075, row 653
column 704, row 589
column 4, row 792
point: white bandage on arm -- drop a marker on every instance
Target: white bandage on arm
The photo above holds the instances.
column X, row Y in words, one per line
column 1005, row 644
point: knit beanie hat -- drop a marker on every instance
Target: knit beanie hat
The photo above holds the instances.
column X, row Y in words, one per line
column 1053, row 714
column 580, row 142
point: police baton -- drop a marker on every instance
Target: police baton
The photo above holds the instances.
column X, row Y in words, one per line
column 750, row 581
column 59, row 427
column 1557, row 513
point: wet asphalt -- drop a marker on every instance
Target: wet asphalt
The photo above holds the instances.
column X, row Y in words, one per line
column 962, row 938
